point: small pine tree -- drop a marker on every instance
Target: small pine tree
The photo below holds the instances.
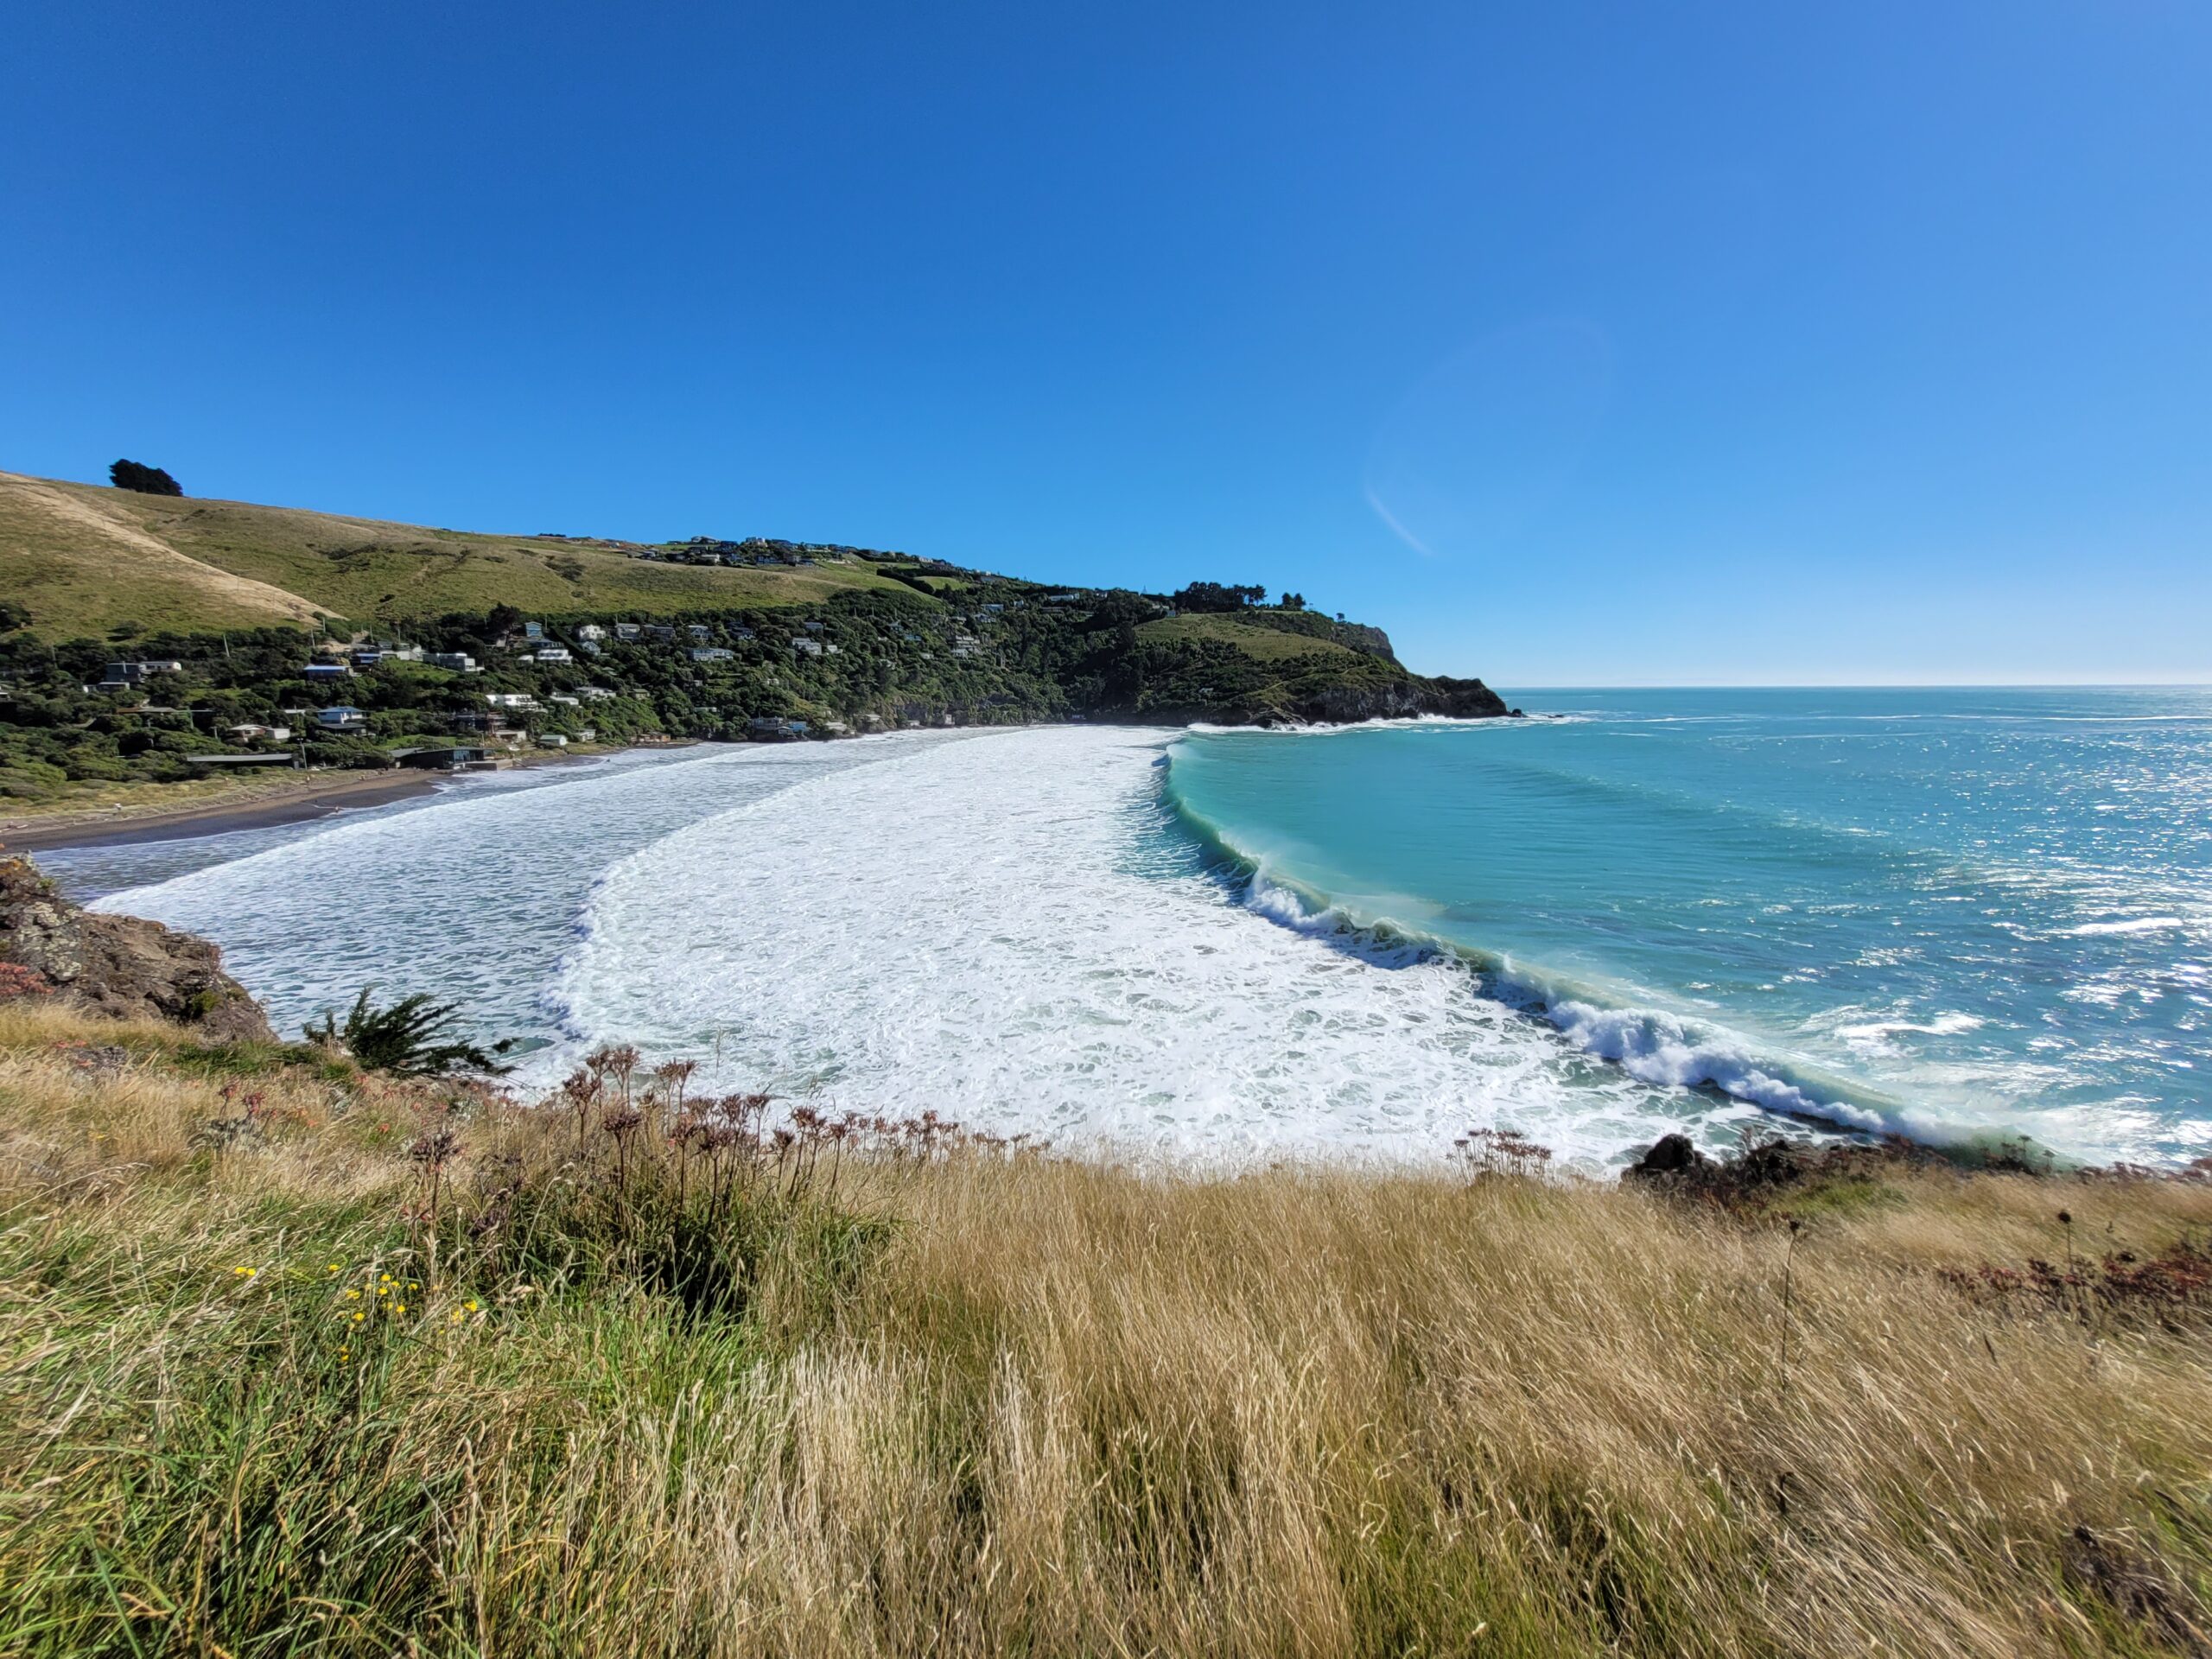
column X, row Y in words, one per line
column 408, row 1038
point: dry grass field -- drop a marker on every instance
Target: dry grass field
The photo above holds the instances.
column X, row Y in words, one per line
column 295, row 1360
column 83, row 558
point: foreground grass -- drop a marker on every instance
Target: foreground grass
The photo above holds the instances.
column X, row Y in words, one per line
column 659, row 1386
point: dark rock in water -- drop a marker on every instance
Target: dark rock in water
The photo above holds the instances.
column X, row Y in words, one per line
column 120, row 966
column 1672, row 1154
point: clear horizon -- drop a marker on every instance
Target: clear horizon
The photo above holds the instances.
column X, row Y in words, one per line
column 1599, row 347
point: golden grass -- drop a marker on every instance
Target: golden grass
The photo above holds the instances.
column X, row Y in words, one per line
column 83, row 558
column 980, row 1403
column 1254, row 638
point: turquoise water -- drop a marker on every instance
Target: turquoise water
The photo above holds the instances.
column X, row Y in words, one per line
column 1953, row 912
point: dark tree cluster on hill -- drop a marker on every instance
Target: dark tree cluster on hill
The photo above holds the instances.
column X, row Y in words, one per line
column 1213, row 597
column 147, row 480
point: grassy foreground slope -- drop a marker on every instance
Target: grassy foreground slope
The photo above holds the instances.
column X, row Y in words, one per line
column 296, row 1360
column 83, row 558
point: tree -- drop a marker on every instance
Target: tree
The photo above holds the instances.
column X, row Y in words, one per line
column 412, row 1037
column 1214, row 596
column 1294, row 601
column 147, row 480
column 13, row 615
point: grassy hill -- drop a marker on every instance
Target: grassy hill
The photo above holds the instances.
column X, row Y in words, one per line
column 1253, row 637
column 83, row 558
column 166, row 633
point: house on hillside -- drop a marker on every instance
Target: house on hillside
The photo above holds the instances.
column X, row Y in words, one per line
column 697, row 630
column 319, row 671
column 591, row 631
column 342, row 717
column 554, row 654
column 458, row 661
column 711, row 654
column 627, row 630
column 120, row 675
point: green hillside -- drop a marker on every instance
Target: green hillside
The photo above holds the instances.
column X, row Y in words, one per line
column 83, row 559
column 144, row 637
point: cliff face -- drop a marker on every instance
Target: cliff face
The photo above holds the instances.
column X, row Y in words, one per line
column 1398, row 700
column 120, row 966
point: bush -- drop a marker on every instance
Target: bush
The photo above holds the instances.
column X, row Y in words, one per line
column 412, row 1038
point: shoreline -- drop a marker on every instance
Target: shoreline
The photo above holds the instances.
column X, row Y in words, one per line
column 318, row 797
column 321, row 797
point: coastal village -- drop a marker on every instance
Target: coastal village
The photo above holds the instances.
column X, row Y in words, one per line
column 897, row 643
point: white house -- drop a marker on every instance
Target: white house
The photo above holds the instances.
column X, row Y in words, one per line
column 342, row 718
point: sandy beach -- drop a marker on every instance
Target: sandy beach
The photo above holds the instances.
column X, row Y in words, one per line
column 313, row 796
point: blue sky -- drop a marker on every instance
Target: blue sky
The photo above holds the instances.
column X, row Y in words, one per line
column 1573, row 344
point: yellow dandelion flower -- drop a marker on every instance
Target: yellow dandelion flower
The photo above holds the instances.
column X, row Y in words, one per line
column 358, row 1318
column 401, row 1308
column 333, row 1267
column 471, row 1304
column 353, row 1295
column 384, row 1290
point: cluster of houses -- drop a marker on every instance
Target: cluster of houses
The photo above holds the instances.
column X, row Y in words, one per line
column 503, row 722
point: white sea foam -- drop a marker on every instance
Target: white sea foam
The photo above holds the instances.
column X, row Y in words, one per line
column 1001, row 932
column 472, row 896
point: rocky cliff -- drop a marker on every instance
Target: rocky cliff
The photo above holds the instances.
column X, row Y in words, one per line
column 119, row 966
column 1398, row 700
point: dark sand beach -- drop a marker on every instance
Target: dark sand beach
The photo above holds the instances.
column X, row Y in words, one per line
column 314, row 798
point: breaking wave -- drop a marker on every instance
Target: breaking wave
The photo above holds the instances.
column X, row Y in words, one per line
column 1015, row 933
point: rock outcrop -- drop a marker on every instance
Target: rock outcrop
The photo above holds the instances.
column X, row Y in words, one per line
column 1400, row 700
column 120, row 966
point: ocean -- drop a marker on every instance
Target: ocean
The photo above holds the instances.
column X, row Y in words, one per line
column 1963, row 916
